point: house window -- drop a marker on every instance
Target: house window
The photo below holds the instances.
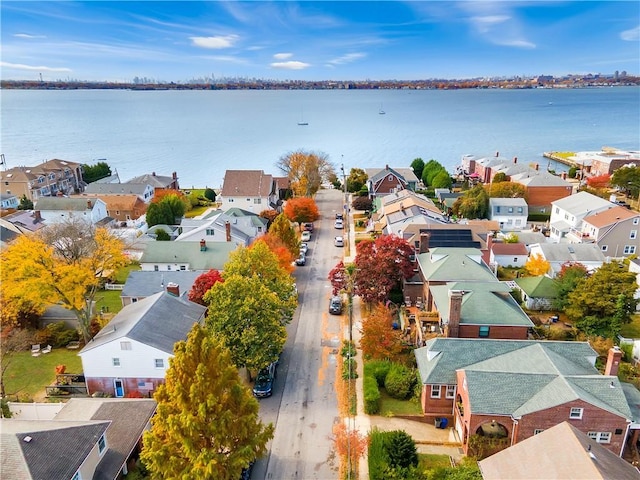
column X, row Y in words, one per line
column 483, row 331
column 633, row 234
column 520, row 210
column 636, row 221
column 605, row 248
column 451, row 391
column 538, row 430
column 125, row 345
column 557, row 210
column 168, row 267
column 629, row 249
column 117, row 212
column 210, row 232
column 159, row 362
column 435, row 391
column 497, row 209
column 510, row 209
column 102, row 444
column 183, row 268
column 115, row 361
column 257, row 201
column 155, row 268
column 515, row 260
column 600, row 437
column 576, row 413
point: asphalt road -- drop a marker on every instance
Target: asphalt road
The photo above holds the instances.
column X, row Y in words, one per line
column 303, row 407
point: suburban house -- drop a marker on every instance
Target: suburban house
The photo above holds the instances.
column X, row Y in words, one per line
column 88, row 438
column 143, row 190
column 542, row 188
column 557, row 254
column 9, row 201
column 23, row 221
column 383, row 181
column 479, row 310
column 568, row 213
column 561, row 452
column 142, row 284
column 60, row 209
column 401, row 207
column 508, row 254
column 122, row 208
column 538, row 293
column 49, row 178
column 236, row 225
column 130, row 355
column 167, row 256
column 515, row 389
column 510, row 213
column 157, row 181
column 614, row 230
column 251, row 190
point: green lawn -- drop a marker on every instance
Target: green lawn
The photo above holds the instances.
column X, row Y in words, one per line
column 632, row 330
column 392, row 406
column 27, row 376
column 109, row 301
column 427, row 461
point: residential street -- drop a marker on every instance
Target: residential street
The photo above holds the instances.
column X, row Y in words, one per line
column 303, row 407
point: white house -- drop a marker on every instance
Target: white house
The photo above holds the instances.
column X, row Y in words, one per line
column 185, row 255
column 60, row 209
column 508, row 254
column 131, row 353
column 251, row 190
column 8, row 200
column 568, row 212
column 510, row 213
column 557, row 254
column 235, row 225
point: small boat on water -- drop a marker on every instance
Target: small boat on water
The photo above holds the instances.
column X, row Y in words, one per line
column 302, row 122
column 381, row 111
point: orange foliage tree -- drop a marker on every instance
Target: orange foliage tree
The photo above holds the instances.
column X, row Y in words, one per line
column 537, row 265
column 301, row 210
column 599, row 181
column 350, row 445
column 277, row 246
column 379, row 340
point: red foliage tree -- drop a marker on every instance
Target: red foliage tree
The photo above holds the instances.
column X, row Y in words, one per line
column 599, row 181
column 301, row 210
column 379, row 340
column 203, row 284
column 338, row 278
column 380, row 266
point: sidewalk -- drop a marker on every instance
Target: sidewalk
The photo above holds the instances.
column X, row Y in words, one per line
column 428, row 438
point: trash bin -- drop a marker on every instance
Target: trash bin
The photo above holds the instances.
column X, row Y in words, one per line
column 438, row 422
column 443, row 423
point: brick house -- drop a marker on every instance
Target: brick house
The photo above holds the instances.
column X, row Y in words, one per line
column 514, row 389
column 383, row 181
column 122, row 208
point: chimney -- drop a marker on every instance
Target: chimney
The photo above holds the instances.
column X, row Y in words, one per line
column 536, row 166
column 497, row 154
column 424, row 242
column 153, row 174
column 174, row 175
column 173, row 289
column 455, row 309
column 564, row 175
column 89, row 204
column 515, row 160
column 227, row 227
column 203, row 245
column 386, row 167
column 613, row 361
column 37, row 216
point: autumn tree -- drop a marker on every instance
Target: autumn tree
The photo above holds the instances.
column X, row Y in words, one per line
column 338, row 277
column 417, row 166
column 566, row 281
column 601, row 303
column 379, row 340
column 381, row 265
column 599, row 181
column 499, row 177
column 282, row 252
column 473, row 203
column 202, row 285
column 206, row 424
column 270, row 215
column 301, row 210
column 305, row 171
column 506, row 190
column 362, row 203
column 537, row 265
column 65, row 264
column 356, row 180
column 282, row 229
column 350, row 444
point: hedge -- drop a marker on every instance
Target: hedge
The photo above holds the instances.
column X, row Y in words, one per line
column 377, row 369
column 371, row 396
column 400, row 381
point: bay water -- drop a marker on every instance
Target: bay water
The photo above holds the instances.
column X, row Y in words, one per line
column 200, row 134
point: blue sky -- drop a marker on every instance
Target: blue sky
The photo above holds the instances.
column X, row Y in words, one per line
column 311, row 40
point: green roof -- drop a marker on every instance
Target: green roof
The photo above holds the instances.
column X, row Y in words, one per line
column 538, row 287
column 453, row 264
column 483, row 303
column 214, row 257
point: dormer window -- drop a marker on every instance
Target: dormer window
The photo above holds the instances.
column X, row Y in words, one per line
column 102, row 444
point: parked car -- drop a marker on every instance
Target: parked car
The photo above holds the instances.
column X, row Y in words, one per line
column 301, row 260
column 263, row 387
column 335, row 305
column 338, row 241
column 307, row 227
column 246, row 472
column 306, row 236
column 339, row 225
column 304, row 247
column 339, row 216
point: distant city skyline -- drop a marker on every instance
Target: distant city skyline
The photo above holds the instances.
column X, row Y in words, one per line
column 316, row 40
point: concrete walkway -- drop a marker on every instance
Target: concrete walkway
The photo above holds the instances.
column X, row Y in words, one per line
column 428, row 438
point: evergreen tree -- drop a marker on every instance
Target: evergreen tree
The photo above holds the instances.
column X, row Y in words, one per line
column 206, row 425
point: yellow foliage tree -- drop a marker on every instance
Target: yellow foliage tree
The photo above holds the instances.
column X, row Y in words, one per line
column 63, row 266
column 537, row 265
column 306, row 171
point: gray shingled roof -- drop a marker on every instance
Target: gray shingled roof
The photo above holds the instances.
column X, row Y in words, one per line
column 450, row 264
column 110, row 188
column 185, row 252
column 483, row 303
column 68, row 204
column 145, row 283
column 518, row 377
column 159, row 321
column 582, row 202
column 572, row 252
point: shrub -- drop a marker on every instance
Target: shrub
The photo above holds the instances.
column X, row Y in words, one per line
column 56, row 334
column 210, row 194
column 362, row 203
column 4, row 406
column 401, row 449
column 377, row 455
column 399, row 381
column 371, row 396
column 348, row 349
column 378, row 369
column 349, row 369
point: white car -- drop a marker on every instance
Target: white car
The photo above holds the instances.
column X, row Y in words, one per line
column 306, row 236
column 339, row 225
column 304, row 247
column 338, row 241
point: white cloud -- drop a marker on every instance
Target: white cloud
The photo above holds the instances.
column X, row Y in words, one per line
column 26, row 35
column 485, row 23
column 225, row 41
column 515, row 43
column 348, row 58
column 292, row 65
column 20, row 66
column 282, row 56
column 632, row 35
